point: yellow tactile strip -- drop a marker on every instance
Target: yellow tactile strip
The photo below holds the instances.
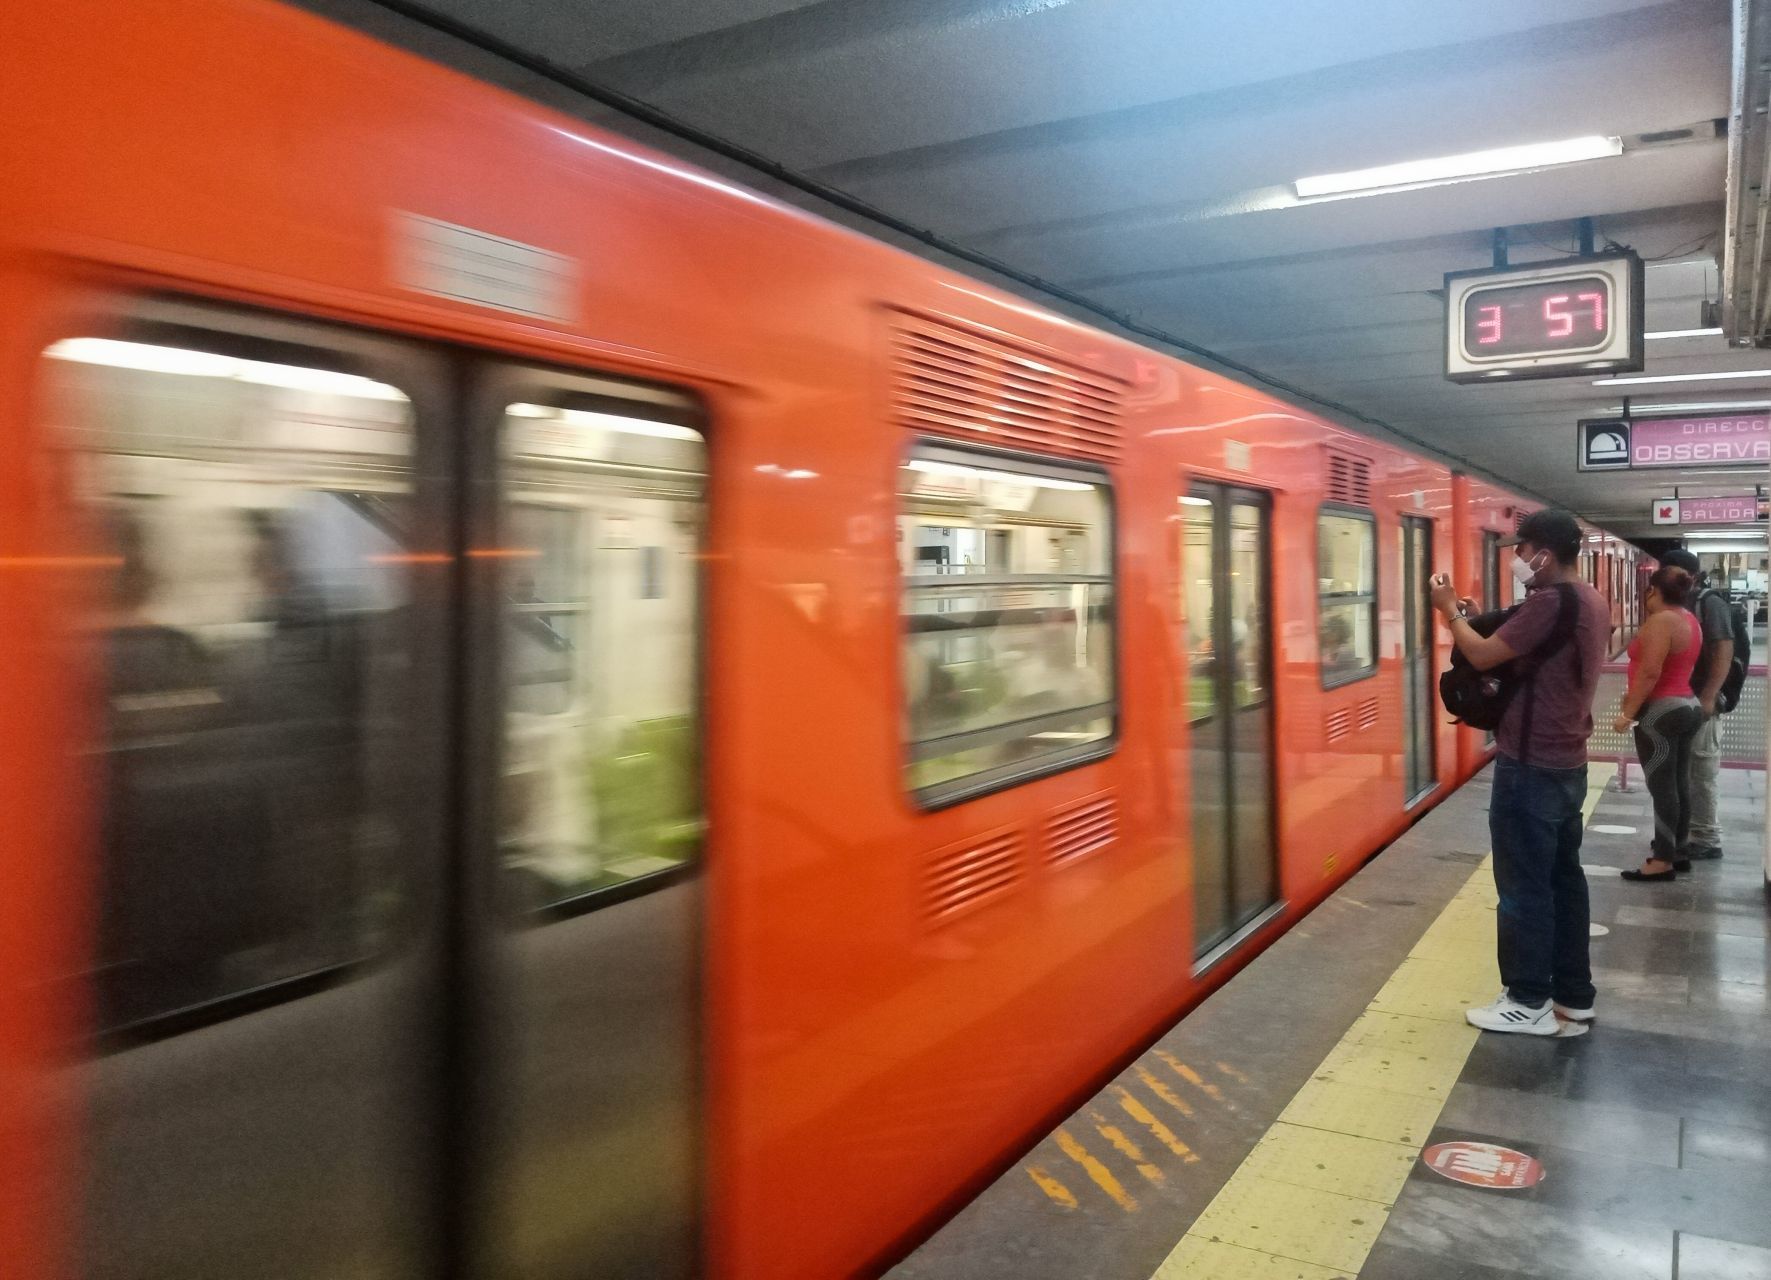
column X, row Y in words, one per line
column 1309, row 1201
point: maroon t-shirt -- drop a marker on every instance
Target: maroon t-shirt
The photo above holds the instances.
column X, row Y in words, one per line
column 1562, row 696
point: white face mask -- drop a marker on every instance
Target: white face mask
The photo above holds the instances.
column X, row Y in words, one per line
column 1525, row 571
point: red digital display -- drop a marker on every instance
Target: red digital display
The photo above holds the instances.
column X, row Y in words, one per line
column 1562, row 315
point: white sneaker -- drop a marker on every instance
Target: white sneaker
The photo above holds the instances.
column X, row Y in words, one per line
column 1507, row 1014
column 1569, row 1012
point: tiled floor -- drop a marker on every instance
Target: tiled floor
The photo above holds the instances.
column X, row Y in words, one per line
column 1653, row 1129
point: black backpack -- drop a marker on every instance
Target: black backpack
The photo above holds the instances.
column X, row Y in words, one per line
column 1728, row 696
column 1480, row 698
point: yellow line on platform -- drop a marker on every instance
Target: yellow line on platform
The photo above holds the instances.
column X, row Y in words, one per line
column 1311, row 1198
column 1162, row 1091
column 1098, row 1173
column 1127, row 1148
column 1161, row 1132
column 1058, row 1192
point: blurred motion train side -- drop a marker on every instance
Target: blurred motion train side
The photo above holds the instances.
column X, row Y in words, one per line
column 685, row 771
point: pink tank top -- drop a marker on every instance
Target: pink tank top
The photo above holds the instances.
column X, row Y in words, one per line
column 1675, row 672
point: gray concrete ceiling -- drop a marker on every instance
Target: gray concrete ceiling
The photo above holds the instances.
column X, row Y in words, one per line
column 1140, row 153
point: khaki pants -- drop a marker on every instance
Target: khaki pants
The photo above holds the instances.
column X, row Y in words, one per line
column 1706, row 773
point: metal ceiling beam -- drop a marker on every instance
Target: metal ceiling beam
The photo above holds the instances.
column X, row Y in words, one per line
column 1746, row 292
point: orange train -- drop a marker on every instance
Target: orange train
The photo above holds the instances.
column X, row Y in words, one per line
column 566, row 719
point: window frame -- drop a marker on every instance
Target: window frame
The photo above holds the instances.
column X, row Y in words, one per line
column 955, row 791
column 419, row 370
column 1367, row 516
column 500, row 380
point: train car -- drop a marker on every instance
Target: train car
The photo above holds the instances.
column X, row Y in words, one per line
column 567, row 719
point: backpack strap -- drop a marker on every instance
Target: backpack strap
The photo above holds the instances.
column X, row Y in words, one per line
column 1560, row 634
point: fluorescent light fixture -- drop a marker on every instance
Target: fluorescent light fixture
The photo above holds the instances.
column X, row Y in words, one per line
column 1692, row 406
column 1471, row 164
column 150, row 358
column 1642, row 380
column 1682, row 333
column 932, row 467
column 1188, row 500
column 604, row 421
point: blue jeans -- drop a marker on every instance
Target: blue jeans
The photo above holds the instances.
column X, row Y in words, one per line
column 1542, row 924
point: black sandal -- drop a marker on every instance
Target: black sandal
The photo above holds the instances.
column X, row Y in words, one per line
column 1649, row 877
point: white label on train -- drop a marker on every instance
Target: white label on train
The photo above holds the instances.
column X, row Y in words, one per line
column 449, row 261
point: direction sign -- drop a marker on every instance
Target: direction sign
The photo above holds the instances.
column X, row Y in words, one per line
column 1741, row 508
column 1674, row 440
column 1604, row 444
column 1710, row 440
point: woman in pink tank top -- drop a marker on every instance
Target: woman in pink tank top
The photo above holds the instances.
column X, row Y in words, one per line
column 1665, row 714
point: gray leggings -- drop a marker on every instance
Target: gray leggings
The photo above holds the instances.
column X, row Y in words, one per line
column 1665, row 730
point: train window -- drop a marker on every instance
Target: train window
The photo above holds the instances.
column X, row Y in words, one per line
column 1008, row 619
column 249, row 642
column 602, row 517
column 1346, row 575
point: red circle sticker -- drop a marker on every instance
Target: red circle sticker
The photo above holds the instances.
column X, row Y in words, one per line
column 1482, row 1164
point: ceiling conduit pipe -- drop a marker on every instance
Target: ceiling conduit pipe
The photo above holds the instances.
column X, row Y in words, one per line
column 1746, row 293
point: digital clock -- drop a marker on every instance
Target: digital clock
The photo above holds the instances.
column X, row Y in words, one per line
column 1545, row 320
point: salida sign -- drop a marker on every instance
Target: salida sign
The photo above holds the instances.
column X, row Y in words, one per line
column 1741, row 509
column 1715, row 440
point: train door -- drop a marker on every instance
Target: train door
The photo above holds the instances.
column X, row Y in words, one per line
column 394, row 947
column 1418, row 692
column 266, row 636
column 589, row 512
column 1225, row 534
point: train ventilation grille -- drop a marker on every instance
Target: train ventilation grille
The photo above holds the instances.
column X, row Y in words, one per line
column 1339, row 724
column 1080, row 829
column 950, row 382
column 1349, row 479
column 1368, row 713
column 963, row 877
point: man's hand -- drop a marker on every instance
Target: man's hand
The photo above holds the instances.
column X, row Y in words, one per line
column 1444, row 596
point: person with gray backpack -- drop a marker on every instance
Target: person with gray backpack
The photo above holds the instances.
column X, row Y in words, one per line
column 1716, row 681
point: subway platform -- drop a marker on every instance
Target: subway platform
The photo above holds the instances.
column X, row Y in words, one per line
column 1328, row 1112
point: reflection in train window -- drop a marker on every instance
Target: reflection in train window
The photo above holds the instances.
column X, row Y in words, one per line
column 603, row 515
column 1346, row 568
column 1008, row 617
column 250, row 644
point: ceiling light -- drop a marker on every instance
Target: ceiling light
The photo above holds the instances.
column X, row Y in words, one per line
column 1682, row 333
column 1638, row 380
column 1188, row 500
column 929, row 466
column 1694, row 406
column 1471, row 164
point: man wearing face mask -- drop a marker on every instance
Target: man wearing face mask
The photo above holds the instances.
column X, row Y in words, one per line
column 1540, row 776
